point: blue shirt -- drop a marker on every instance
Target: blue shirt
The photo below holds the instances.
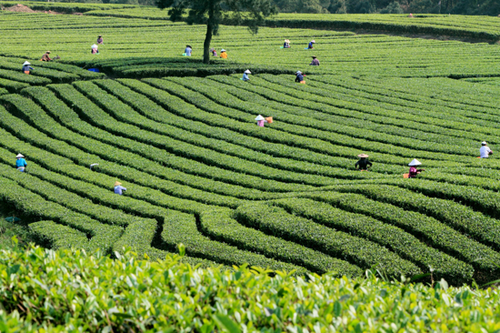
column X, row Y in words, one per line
column 299, row 78
column 119, row 189
column 310, row 45
column 245, row 77
column 188, row 51
column 21, row 162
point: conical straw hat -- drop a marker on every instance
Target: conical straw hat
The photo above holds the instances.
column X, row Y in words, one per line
column 117, row 183
column 247, row 71
column 26, row 63
column 259, row 117
column 19, row 156
column 414, row 162
column 362, row 155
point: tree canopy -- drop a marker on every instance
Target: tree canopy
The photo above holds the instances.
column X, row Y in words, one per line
column 212, row 12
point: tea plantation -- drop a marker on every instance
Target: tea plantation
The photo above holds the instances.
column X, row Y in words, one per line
column 181, row 138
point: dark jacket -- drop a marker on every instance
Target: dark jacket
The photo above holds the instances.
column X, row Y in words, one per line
column 363, row 164
column 299, row 78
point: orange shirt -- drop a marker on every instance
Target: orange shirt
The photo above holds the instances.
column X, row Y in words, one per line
column 223, row 55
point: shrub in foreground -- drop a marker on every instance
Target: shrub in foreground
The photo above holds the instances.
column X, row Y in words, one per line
column 62, row 291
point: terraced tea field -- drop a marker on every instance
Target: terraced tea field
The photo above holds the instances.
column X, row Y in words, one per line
column 198, row 171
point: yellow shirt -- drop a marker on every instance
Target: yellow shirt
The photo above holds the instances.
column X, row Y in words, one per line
column 223, row 55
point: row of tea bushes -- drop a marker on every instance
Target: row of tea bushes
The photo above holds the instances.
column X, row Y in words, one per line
column 402, row 242
column 366, row 254
column 102, row 236
column 221, row 225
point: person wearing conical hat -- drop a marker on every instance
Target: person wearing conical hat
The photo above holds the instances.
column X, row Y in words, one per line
column 27, row 68
column 413, row 170
column 188, row 50
column 245, row 75
column 99, row 39
column 213, row 51
column 485, row 151
column 119, row 188
column 286, row 45
column 21, row 163
column 93, row 49
column 363, row 164
column 46, row 56
column 314, row 62
column 311, row 44
column 223, row 54
column 299, row 77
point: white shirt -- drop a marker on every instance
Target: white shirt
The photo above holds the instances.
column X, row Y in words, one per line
column 484, row 151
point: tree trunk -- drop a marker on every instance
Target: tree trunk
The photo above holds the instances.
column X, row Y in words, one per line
column 210, row 32
column 206, row 44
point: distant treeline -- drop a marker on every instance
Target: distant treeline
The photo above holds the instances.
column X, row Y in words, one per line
column 468, row 7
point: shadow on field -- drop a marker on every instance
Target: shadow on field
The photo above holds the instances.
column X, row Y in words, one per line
column 10, row 227
column 142, row 67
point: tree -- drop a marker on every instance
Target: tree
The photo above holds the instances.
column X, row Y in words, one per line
column 213, row 12
column 360, row 6
column 287, row 6
column 309, row 6
column 424, row 6
column 337, row 7
column 392, row 8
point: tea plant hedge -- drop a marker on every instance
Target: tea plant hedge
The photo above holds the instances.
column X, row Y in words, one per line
column 169, row 295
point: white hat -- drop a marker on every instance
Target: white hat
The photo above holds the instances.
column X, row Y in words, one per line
column 223, row 50
column 26, row 63
column 298, row 72
column 313, row 41
column 247, row 71
column 259, row 117
column 19, row 156
column 94, row 46
column 484, row 143
column 414, row 162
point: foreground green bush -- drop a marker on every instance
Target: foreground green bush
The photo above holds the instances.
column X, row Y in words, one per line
column 75, row 291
